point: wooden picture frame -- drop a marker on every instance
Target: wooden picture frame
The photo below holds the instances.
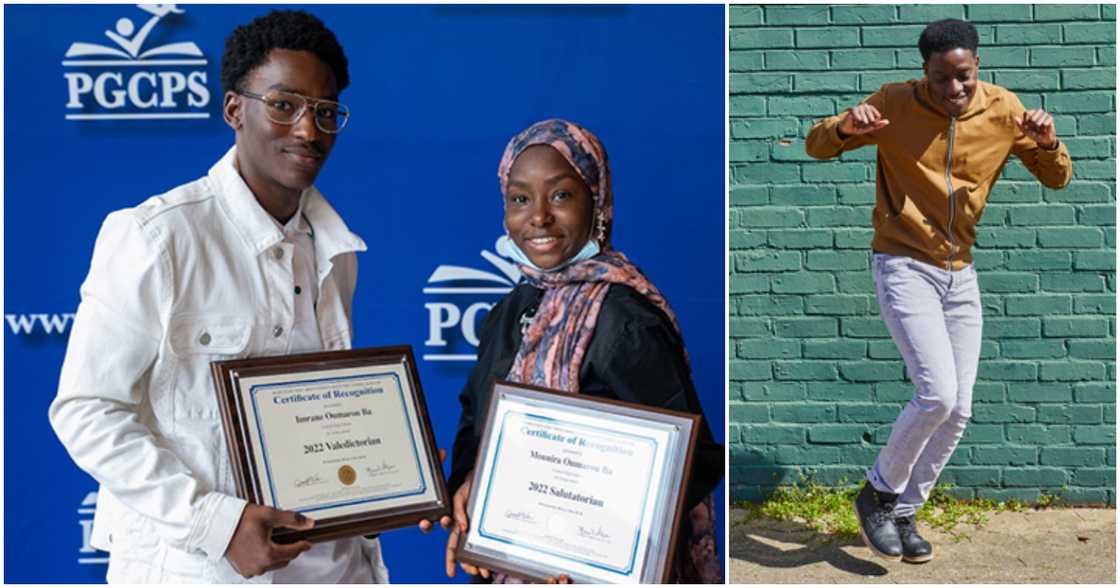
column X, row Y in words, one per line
column 555, row 471
column 341, row 436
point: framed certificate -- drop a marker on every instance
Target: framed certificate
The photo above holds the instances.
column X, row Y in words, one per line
column 341, row 436
column 569, row 484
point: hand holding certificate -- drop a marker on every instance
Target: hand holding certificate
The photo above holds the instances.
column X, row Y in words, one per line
column 566, row 483
column 342, row 437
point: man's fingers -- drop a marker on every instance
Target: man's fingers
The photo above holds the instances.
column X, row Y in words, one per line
column 290, row 519
column 485, row 573
column 866, row 115
column 425, row 526
column 445, row 522
column 288, row 551
column 862, row 119
column 858, row 117
column 1026, row 125
column 1035, row 122
column 442, row 454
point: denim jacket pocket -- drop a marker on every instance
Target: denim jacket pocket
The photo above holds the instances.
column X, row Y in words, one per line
column 193, row 335
column 196, row 340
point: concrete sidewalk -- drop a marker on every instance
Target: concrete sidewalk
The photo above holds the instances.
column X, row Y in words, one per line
column 1060, row 545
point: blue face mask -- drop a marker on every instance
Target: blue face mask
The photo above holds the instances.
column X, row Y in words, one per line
column 507, row 248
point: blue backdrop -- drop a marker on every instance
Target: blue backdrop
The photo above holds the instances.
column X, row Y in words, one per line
column 436, row 93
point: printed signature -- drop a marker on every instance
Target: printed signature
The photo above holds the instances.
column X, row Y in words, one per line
column 519, row 515
column 382, row 468
column 596, row 533
column 309, row 481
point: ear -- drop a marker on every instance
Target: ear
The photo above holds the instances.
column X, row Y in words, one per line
column 231, row 110
column 925, row 68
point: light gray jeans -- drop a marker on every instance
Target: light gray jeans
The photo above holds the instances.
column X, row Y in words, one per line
column 934, row 317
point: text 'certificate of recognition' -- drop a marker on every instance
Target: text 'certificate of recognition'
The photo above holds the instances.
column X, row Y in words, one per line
column 335, row 444
column 573, row 489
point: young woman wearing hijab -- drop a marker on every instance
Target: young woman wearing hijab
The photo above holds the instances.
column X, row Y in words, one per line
column 584, row 320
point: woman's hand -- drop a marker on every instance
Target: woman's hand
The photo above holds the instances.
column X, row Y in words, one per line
column 459, row 528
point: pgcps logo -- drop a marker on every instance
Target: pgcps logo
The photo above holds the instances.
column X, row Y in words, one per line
column 87, row 553
column 458, row 299
column 125, row 80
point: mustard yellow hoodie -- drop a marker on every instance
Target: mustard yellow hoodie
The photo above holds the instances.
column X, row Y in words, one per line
column 935, row 171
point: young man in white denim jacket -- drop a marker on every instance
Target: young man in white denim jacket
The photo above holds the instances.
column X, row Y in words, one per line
column 249, row 260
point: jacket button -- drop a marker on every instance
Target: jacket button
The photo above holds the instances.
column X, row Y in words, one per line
column 204, row 339
column 278, row 253
column 277, row 331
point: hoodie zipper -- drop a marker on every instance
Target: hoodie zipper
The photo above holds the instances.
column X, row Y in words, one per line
column 949, row 185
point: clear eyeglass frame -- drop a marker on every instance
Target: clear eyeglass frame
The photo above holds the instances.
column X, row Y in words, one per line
column 336, row 113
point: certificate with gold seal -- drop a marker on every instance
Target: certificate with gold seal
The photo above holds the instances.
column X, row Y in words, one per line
column 341, row 436
column 569, row 484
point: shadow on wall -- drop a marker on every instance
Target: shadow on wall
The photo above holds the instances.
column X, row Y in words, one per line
column 757, row 470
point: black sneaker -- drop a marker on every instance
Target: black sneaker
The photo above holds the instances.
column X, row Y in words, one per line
column 914, row 548
column 875, row 511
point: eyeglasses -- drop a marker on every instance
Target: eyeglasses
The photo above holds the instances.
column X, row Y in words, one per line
column 286, row 108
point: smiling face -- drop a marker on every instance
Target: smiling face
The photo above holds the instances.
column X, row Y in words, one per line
column 952, row 78
column 548, row 207
column 279, row 161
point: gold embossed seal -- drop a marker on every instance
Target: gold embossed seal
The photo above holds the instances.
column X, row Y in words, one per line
column 347, row 475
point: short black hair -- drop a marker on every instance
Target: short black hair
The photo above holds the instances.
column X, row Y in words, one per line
column 946, row 35
column 248, row 45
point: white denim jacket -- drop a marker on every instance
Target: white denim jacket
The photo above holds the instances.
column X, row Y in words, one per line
column 188, row 277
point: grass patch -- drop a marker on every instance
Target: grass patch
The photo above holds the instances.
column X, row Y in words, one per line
column 828, row 510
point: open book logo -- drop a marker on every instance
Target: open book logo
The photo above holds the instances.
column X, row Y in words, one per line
column 125, row 79
column 508, row 276
column 464, row 295
column 129, row 40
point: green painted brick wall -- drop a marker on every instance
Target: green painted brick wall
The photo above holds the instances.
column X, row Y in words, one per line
column 815, row 380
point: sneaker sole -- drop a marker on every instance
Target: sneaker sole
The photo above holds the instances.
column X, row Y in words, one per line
column 917, row 559
column 867, row 541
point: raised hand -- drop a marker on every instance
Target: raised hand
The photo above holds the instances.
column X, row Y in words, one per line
column 1039, row 125
column 252, row 552
column 862, row 119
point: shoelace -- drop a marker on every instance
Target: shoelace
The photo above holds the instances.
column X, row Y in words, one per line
column 879, row 516
column 907, row 526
